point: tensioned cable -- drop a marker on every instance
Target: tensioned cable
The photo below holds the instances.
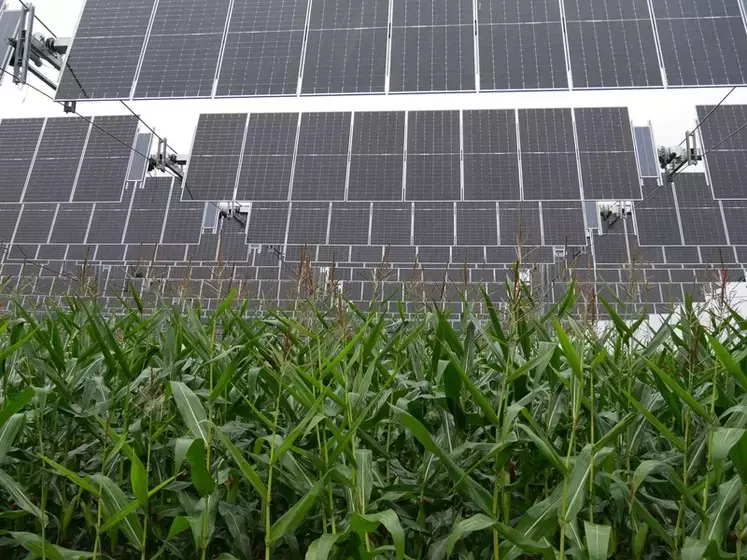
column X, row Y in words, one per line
column 37, row 18
column 711, row 112
column 708, row 151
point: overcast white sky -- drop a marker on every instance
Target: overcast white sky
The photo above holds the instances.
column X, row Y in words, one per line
column 671, row 111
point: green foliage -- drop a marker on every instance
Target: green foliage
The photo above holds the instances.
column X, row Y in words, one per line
column 357, row 435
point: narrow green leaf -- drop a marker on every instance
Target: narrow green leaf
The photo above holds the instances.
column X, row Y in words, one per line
column 225, row 377
column 9, row 432
column 667, row 433
column 20, row 497
column 5, row 352
column 14, row 406
column 178, row 526
column 42, row 548
column 679, row 391
column 724, row 440
column 467, row 485
column 246, row 469
column 578, row 484
column 693, row 549
column 132, row 507
column 114, row 501
column 545, row 448
column 480, row 399
column 70, row 475
column 369, row 522
column 652, row 523
column 295, row 515
column 321, row 547
column 731, row 366
column 364, row 477
column 571, row 355
column 478, row 522
column 738, row 455
column 647, row 467
column 200, row 475
column 597, row 540
column 722, row 509
column 190, row 409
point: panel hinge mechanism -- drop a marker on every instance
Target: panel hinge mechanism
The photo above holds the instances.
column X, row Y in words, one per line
column 673, row 160
column 164, row 161
column 33, row 51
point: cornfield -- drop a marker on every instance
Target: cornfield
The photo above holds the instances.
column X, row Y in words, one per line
column 346, row 434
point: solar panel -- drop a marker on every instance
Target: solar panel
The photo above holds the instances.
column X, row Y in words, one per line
column 563, row 224
column 138, row 163
column 259, row 64
column 18, row 139
column 267, row 223
column 657, row 218
column 612, row 44
column 350, row 223
column 648, row 164
column 108, row 222
column 9, row 20
column 391, row 223
column 548, row 155
column 106, row 160
column 232, row 245
column 347, row 47
column 734, row 213
column 702, row 222
column 477, row 224
column 433, row 162
column 181, row 55
column 58, row 158
column 521, row 46
column 607, row 154
column 308, row 224
column 321, row 163
column 491, row 164
column 9, row 214
column 267, row 164
column 519, row 223
column 35, row 223
column 148, row 211
column 434, row 224
column 725, row 159
column 183, row 220
column 106, row 50
column 214, row 162
column 71, row 223
column 702, row 43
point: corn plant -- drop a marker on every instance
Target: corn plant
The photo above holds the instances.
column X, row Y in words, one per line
column 343, row 433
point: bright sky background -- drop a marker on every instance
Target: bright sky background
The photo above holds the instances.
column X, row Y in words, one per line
column 672, row 112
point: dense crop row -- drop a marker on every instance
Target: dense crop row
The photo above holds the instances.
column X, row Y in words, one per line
column 356, row 435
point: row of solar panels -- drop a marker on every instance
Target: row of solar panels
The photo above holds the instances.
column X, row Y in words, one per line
column 68, row 159
column 533, row 154
column 239, row 48
column 653, row 289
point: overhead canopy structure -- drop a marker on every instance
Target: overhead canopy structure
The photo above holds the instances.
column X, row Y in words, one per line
column 173, row 49
column 414, row 205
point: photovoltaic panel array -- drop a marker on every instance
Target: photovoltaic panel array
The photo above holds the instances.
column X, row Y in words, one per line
column 607, row 154
column 726, row 157
column 521, row 45
column 451, row 223
column 432, row 46
column 243, row 48
column 612, row 44
column 702, row 43
column 9, row 20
